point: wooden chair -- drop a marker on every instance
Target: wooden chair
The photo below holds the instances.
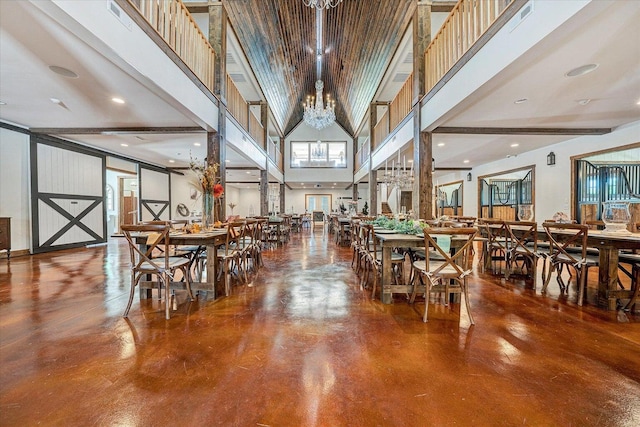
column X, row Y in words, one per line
column 497, row 244
column 445, row 272
column 229, row 257
column 522, row 247
column 143, row 263
column 373, row 259
column 568, row 248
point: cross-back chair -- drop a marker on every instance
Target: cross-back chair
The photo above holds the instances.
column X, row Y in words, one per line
column 143, row 262
column 522, row 247
column 497, row 240
column 445, row 271
column 568, row 249
column 229, row 257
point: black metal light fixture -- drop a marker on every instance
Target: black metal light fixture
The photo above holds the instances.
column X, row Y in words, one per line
column 551, row 159
column 469, row 177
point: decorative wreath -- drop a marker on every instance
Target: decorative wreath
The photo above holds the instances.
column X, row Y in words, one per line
column 182, row 209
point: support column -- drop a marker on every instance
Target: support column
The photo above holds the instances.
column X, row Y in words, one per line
column 264, row 192
column 216, row 153
column 423, row 185
column 373, row 176
column 422, row 205
column 282, row 204
column 354, row 195
column 217, row 141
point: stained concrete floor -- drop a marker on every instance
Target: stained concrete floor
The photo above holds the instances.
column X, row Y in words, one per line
column 303, row 344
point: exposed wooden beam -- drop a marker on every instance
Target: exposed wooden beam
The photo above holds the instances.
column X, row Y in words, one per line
column 117, row 131
column 444, row 7
column 521, row 131
column 452, row 169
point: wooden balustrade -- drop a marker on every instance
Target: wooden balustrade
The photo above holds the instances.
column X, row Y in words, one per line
column 468, row 20
column 236, row 105
column 256, row 130
column 401, row 105
column 274, row 154
column 173, row 22
column 362, row 155
column 381, row 130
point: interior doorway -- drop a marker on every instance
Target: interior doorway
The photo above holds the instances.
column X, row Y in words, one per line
column 128, row 206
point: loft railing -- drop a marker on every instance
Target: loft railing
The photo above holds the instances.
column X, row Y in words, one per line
column 176, row 26
column 381, row 130
column 275, row 155
column 401, row 104
column 468, row 20
column 256, row 130
column 362, row 155
column 236, row 105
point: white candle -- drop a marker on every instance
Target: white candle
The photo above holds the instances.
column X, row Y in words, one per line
column 385, row 166
column 404, row 163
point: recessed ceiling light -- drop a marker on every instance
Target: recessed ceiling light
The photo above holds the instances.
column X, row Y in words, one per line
column 172, row 161
column 248, row 172
column 583, row 101
column 118, row 100
column 63, row 71
column 197, row 144
column 4, row 103
column 465, row 161
column 335, row 183
column 581, row 71
column 441, row 144
column 55, row 100
column 515, row 144
column 410, row 161
column 520, row 101
column 227, row 161
column 124, row 145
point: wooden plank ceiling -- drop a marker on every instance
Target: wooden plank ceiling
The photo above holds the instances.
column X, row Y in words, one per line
column 359, row 40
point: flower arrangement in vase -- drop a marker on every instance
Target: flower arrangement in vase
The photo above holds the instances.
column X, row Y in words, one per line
column 206, row 181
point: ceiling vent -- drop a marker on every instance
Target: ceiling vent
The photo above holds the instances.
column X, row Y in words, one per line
column 231, row 59
column 237, row 77
column 408, row 59
column 400, row 77
column 119, row 13
column 318, row 186
column 522, row 14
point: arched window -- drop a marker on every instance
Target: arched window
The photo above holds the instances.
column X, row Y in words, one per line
column 109, row 197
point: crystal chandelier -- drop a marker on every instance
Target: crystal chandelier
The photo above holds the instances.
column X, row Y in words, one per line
column 321, row 4
column 315, row 114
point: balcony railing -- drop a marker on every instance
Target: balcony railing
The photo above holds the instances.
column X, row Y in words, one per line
column 236, row 105
column 381, row 130
column 362, row 156
column 401, row 104
column 256, row 130
column 468, row 20
column 275, row 155
column 174, row 23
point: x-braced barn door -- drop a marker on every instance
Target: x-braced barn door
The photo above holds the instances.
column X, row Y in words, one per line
column 154, row 194
column 67, row 195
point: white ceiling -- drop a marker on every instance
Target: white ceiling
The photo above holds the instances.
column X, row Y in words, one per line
column 30, row 41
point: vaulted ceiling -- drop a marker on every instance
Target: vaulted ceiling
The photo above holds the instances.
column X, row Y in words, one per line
column 359, row 41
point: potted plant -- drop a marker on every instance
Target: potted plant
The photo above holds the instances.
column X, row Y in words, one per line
column 365, row 209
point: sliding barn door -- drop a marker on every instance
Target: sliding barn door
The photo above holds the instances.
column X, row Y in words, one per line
column 67, row 189
column 155, row 192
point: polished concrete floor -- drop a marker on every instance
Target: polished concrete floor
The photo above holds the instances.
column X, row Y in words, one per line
column 303, row 345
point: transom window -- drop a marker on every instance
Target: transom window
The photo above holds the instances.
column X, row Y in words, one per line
column 318, row 154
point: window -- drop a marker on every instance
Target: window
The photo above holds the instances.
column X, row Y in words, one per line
column 318, row 202
column 318, row 154
column 109, row 197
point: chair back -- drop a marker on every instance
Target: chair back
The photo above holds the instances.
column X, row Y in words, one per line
column 368, row 240
column 445, row 263
column 235, row 233
column 497, row 233
column 521, row 235
column 563, row 237
column 157, row 235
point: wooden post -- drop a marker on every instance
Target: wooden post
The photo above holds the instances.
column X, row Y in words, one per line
column 216, row 153
column 373, row 177
column 282, row 205
column 264, row 192
column 218, row 41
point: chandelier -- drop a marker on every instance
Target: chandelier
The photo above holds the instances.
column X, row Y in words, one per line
column 318, row 152
column 315, row 114
column 321, row 4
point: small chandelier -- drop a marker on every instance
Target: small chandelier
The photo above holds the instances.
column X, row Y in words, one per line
column 315, row 115
column 321, row 4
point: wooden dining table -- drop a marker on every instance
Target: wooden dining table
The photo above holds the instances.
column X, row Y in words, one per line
column 388, row 241
column 211, row 240
column 608, row 245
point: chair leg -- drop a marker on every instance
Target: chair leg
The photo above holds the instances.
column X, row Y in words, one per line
column 635, row 287
column 466, row 301
column 132, row 293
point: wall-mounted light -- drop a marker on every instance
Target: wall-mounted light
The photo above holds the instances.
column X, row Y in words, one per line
column 433, row 165
column 469, row 177
column 551, row 159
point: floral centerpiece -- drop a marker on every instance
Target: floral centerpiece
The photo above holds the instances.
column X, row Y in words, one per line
column 206, row 181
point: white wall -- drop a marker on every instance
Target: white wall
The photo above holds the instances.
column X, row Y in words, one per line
column 15, row 193
column 552, row 183
column 305, row 133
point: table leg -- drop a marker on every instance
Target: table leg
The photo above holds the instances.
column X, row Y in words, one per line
column 385, row 293
column 212, row 284
column 608, row 277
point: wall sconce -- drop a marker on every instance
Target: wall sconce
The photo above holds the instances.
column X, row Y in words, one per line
column 469, row 177
column 551, row 159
